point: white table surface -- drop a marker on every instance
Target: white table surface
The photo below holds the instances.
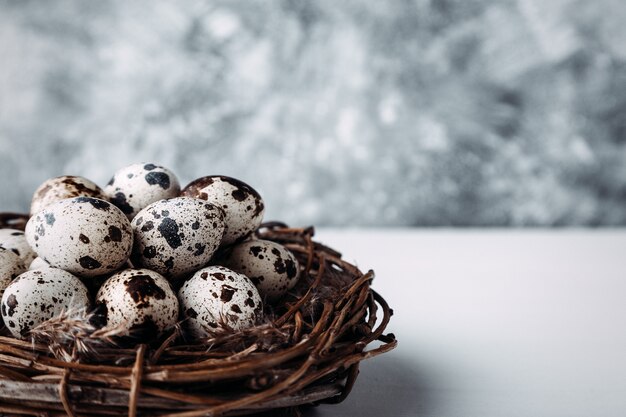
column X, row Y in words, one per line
column 493, row 323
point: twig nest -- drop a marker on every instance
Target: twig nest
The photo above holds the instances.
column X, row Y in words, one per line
column 133, row 187
column 218, row 299
column 271, row 267
column 177, row 236
column 15, row 241
column 306, row 350
column 137, row 302
column 36, row 296
column 10, row 267
column 83, row 235
column 60, row 188
column 243, row 206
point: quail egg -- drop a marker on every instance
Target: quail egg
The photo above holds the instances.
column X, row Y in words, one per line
column 243, row 206
column 39, row 263
column 177, row 236
column 134, row 187
column 10, row 267
column 15, row 241
column 138, row 302
column 83, row 235
column 270, row 266
column 36, row 296
column 217, row 299
column 60, row 188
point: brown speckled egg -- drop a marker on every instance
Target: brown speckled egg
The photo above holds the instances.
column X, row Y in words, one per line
column 243, row 206
column 270, row 266
column 83, row 235
column 10, row 267
column 15, row 241
column 36, row 296
column 177, row 236
column 217, row 299
column 138, row 302
column 60, row 188
column 134, row 187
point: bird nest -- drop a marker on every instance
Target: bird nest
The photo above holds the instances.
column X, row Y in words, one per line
column 307, row 352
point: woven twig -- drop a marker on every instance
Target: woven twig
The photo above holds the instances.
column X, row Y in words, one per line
column 307, row 352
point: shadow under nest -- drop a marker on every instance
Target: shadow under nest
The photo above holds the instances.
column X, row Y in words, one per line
column 306, row 352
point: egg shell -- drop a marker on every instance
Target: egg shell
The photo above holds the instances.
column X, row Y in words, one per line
column 36, row 296
column 16, row 241
column 177, row 236
column 60, row 188
column 134, row 187
column 83, row 235
column 138, row 302
column 271, row 267
column 10, row 267
column 217, row 299
column 243, row 206
column 39, row 263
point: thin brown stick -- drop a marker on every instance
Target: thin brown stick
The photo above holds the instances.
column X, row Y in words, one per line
column 22, row 410
column 297, row 331
column 157, row 353
column 12, row 375
column 67, row 406
column 136, row 381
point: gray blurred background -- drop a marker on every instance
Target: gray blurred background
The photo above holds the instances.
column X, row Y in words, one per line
column 360, row 112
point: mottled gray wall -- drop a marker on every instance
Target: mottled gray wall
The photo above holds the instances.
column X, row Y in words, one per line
column 361, row 112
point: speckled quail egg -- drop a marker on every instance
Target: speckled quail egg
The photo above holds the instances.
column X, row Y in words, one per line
column 36, row 296
column 134, row 187
column 137, row 302
column 10, row 267
column 270, row 266
column 83, row 235
column 15, row 241
column 177, row 236
column 243, row 206
column 218, row 299
column 60, row 188
column 39, row 263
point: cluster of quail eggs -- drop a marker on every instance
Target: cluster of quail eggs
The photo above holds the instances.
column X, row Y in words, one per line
column 143, row 255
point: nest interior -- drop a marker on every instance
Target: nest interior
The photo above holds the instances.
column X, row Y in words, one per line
column 306, row 352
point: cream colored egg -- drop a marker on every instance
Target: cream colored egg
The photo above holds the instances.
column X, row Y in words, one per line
column 216, row 299
column 138, row 302
column 242, row 205
column 177, row 236
column 15, row 241
column 60, row 188
column 134, row 187
column 83, row 235
column 36, row 296
column 10, row 267
column 270, row 266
